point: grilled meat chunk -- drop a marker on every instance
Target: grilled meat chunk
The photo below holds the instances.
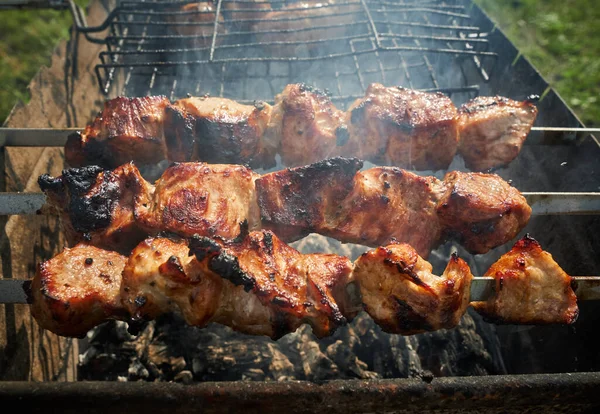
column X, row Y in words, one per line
column 161, row 276
column 531, row 288
column 77, row 290
column 492, row 130
column 299, row 288
column 403, row 127
column 205, row 199
column 308, row 124
column 388, row 204
column 98, row 206
column 126, row 129
column 481, row 211
column 297, row 201
column 402, row 295
column 219, row 130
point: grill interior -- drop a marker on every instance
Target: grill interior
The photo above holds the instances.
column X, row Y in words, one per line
column 249, row 51
column 448, row 46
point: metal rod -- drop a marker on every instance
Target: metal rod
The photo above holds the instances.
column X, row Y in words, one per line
column 14, row 290
column 565, row 129
column 545, row 203
column 21, row 203
column 35, row 137
column 482, row 288
column 542, row 204
column 56, row 137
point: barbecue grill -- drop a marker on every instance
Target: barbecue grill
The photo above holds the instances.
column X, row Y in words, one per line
column 154, row 47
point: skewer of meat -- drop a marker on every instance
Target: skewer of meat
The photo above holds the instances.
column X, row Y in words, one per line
column 389, row 125
column 259, row 285
column 116, row 209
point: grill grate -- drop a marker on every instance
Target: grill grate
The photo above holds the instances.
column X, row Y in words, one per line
column 248, row 50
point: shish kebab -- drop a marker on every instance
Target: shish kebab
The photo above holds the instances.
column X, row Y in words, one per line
column 258, row 285
column 116, row 209
column 388, row 126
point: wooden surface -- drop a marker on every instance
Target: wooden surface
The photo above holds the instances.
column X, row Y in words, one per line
column 65, row 94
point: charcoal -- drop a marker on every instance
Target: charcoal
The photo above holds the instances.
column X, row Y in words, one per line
column 185, row 377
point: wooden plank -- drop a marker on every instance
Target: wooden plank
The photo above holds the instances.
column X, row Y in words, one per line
column 65, row 94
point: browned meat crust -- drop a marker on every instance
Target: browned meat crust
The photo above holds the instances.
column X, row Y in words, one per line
column 258, row 285
column 77, row 290
column 386, row 205
column 493, row 129
column 531, row 288
column 301, row 288
column 392, row 125
column 297, row 201
column 402, row 295
column 219, row 130
column 403, row 127
column 481, row 211
column 332, row 197
column 309, row 125
column 126, row 129
column 204, row 199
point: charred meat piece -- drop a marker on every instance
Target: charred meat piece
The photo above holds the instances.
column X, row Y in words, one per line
column 97, row 206
column 204, row 199
column 297, row 201
column 77, row 290
column 531, row 288
column 219, row 130
column 308, row 124
column 298, row 288
column 126, row 129
column 481, row 211
column 402, row 295
column 492, row 130
column 403, row 127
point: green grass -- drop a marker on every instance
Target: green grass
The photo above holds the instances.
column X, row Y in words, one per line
column 27, row 39
column 560, row 37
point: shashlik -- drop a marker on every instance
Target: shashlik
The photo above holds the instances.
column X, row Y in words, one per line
column 259, row 285
column 116, row 209
column 398, row 126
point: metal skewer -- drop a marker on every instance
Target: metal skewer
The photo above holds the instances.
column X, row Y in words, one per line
column 57, row 137
column 585, row 287
column 542, row 203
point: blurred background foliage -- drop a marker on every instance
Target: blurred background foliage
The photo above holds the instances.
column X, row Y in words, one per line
column 558, row 36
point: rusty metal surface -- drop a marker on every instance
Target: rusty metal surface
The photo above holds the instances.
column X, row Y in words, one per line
column 575, row 392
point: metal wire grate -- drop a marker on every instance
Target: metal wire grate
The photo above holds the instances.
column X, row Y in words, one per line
column 249, row 50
